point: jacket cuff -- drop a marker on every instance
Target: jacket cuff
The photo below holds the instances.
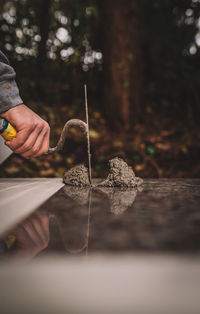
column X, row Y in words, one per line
column 9, row 95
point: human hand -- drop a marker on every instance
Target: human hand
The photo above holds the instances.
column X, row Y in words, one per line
column 32, row 132
column 32, row 236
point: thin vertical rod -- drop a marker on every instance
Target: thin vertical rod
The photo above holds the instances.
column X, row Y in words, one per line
column 88, row 135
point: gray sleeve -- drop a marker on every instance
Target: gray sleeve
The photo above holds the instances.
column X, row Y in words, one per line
column 9, row 93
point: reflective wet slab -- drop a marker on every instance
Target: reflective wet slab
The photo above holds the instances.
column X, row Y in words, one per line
column 104, row 250
column 161, row 216
column 19, row 197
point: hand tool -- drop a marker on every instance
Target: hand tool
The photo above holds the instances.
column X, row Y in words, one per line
column 8, row 132
column 84, row 127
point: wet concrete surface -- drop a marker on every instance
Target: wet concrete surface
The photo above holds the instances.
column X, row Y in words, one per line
column 154, row 232
column 163, row 216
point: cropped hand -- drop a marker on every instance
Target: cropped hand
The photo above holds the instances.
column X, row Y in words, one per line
column 32, row 236
column 32, row 132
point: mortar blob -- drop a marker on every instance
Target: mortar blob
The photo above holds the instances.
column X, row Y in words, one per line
column 77, row 176
column 121, row 175
column 119, row 198
column 80, row 194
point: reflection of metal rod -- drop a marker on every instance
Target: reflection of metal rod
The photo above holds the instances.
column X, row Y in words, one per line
column 88, row 223
column 88, row 135
column 86, row 244
column 54, row 221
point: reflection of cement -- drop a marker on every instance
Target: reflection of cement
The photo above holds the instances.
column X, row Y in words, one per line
column 73, row 236
column 119, row 199
column 78, row 194
column 74, row 225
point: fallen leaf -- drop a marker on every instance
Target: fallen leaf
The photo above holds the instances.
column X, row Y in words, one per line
column 163, row 146
column 117, row 143
column 166, row 132
column 69, row 160
column 57, row 157
column 47, row 172
column 12, row 170
column 46, row 164
column 139, row 167
column 154, row 139
column 61, row 170
column 94, row 134
column 184, row 149
column 97, row 115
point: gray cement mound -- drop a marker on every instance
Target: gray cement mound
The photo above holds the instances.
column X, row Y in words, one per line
column 80, row 194
column 77, row 176
column 120, row 175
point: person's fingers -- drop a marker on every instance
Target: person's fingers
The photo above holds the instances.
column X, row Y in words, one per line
column 31, row 231
column 41, row 224
column 45, row 145
column 32, row 131
column 44, row 225
column 36, row 146
column 22, row 237
column 40, row 144
column 37, row 149
column 20, row 139
column 30, row 142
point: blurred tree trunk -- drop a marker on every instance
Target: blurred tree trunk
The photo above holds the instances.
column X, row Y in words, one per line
column 44, row 19
column 119, row 22
column 44, row 23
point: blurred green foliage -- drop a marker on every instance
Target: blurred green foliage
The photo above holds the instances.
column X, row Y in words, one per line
column 170, row 50
column 52, row 56
column 56, row 46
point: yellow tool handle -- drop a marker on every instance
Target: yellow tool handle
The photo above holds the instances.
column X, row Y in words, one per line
column 7, row 130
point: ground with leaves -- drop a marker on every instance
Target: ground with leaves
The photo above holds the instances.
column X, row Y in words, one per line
column 163, row 149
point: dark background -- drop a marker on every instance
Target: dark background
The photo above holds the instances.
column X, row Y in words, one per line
column 140, row 60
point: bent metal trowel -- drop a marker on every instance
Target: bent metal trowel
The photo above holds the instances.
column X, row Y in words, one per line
column 8, row 132
column 84, row 127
